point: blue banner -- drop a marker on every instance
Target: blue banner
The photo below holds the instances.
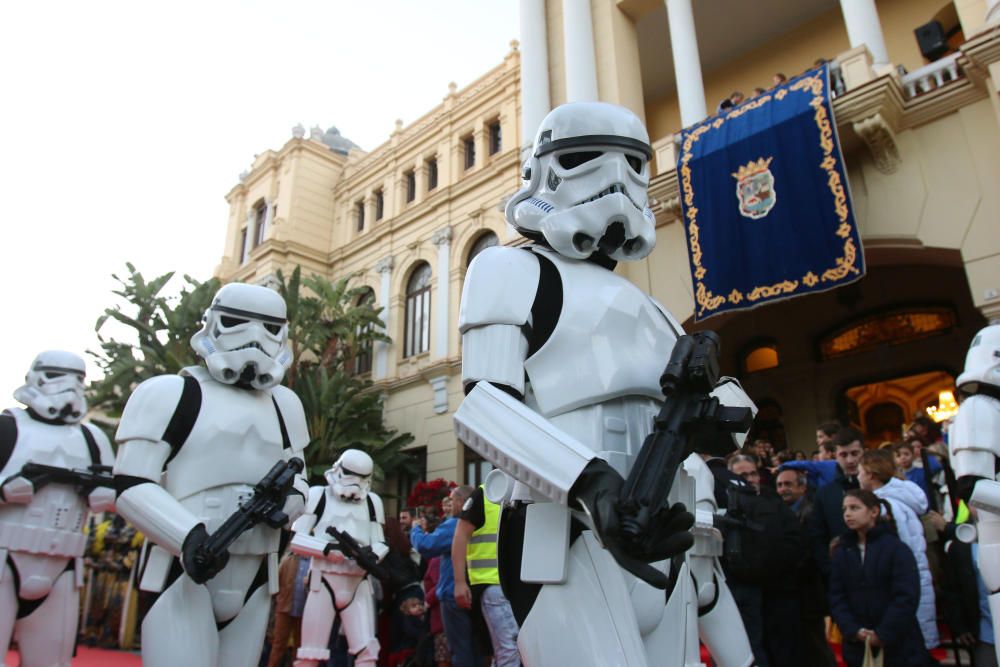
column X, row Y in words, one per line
column 765, row 201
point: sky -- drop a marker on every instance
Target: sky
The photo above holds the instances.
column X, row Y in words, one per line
column 124, row 124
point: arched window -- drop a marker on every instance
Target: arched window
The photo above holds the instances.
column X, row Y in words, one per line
column 363, row 359
column 487, row 240
column 761, row 357
column 417, row 331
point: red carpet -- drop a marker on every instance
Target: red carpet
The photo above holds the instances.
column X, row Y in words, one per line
column 92, row 657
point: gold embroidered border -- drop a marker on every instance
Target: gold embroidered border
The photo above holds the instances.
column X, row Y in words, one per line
column 844, row 265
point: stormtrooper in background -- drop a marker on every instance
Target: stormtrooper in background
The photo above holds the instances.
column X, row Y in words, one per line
column 191, row 448
column 337, row 583
column 974, row 441
column 561, row 363
column 41, row 530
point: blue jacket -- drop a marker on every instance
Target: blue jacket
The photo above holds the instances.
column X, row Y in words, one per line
column 818, row 473
column 438, row 543
column 881, row 594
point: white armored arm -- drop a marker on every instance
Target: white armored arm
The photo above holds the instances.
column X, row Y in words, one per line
column 494, row 314
column 377, row 535
column 294, row 419
column 101, row 499
column 974, row 437
column 142, row 456
column 518, row 440
column 307, row 521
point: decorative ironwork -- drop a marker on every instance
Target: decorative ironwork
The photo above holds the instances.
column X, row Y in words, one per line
column 892, row 329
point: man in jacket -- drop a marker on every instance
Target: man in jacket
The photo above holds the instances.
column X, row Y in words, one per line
column 475, row 544
column 827, row 518
column 457, row 623
column 791, row 485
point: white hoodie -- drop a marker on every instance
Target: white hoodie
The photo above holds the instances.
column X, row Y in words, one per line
column 909, row 502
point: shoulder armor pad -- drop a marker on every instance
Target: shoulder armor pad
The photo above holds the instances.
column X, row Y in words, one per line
column 294, row 416
column 976, row 426
column 150, row 408
column 499, row 288
column 671, row 320
column 315, row 493
column 379, row 509
column 107, row 456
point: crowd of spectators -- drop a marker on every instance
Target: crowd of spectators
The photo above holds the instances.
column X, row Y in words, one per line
column 854, row 547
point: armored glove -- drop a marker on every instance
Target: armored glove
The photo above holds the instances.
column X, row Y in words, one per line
column 598, row 490
column 197, row 564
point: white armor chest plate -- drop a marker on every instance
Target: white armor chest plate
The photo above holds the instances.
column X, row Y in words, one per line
column 349, row 517
column 235, row 441
column 598, row 375
column 52, row 523
column 610, row 341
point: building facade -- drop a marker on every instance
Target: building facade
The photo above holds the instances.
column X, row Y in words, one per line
column 920, row 131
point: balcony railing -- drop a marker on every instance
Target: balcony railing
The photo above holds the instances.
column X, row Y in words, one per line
column 931, row 77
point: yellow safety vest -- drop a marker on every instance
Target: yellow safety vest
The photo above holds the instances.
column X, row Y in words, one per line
column 481, row 553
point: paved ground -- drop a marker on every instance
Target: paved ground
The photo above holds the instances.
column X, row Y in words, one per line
column 92, row 657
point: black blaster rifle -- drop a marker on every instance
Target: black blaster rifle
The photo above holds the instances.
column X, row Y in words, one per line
column 363, row 556
column 690, row 420
column 264, row 506
column 85, row 480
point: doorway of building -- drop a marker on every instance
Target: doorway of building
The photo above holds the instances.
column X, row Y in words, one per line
column 882, row 410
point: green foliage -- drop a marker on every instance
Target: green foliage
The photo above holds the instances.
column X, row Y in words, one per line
column 157, row 330
column 330, row 325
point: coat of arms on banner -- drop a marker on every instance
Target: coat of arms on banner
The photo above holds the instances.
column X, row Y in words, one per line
column 755, row 188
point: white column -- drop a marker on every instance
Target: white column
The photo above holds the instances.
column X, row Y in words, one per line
column 535, row 100
column 442, row 239
column 581, row 63
column 384, row 267
column 863, row 27
column 687, row 61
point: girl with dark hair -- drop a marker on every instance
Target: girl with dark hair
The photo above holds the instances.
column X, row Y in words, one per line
column 874, row 587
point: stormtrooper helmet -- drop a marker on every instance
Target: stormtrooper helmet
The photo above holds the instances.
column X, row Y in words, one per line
column 584, row 188
column 53, row 387
column 244, row 341
column 982, row 362
column 351, row 475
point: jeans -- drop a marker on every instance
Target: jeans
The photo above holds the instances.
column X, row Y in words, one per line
column 502, row 626
column 458, row 630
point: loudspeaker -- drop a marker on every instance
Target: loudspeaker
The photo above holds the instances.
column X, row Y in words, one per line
column 932, row 40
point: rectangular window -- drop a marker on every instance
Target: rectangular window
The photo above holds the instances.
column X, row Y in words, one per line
column 476, row 467
column 243, row 246
column 411, row 186
column 379, row 204
column 260, row 217
column 360, row 215
column 432, row 173
column 469, row 146
column 496, row 138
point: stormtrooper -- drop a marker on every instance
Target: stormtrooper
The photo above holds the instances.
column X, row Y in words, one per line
column 561, row 366
column 974, row 443
column 41, row 526
column 338, row 577
column 191, row 449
